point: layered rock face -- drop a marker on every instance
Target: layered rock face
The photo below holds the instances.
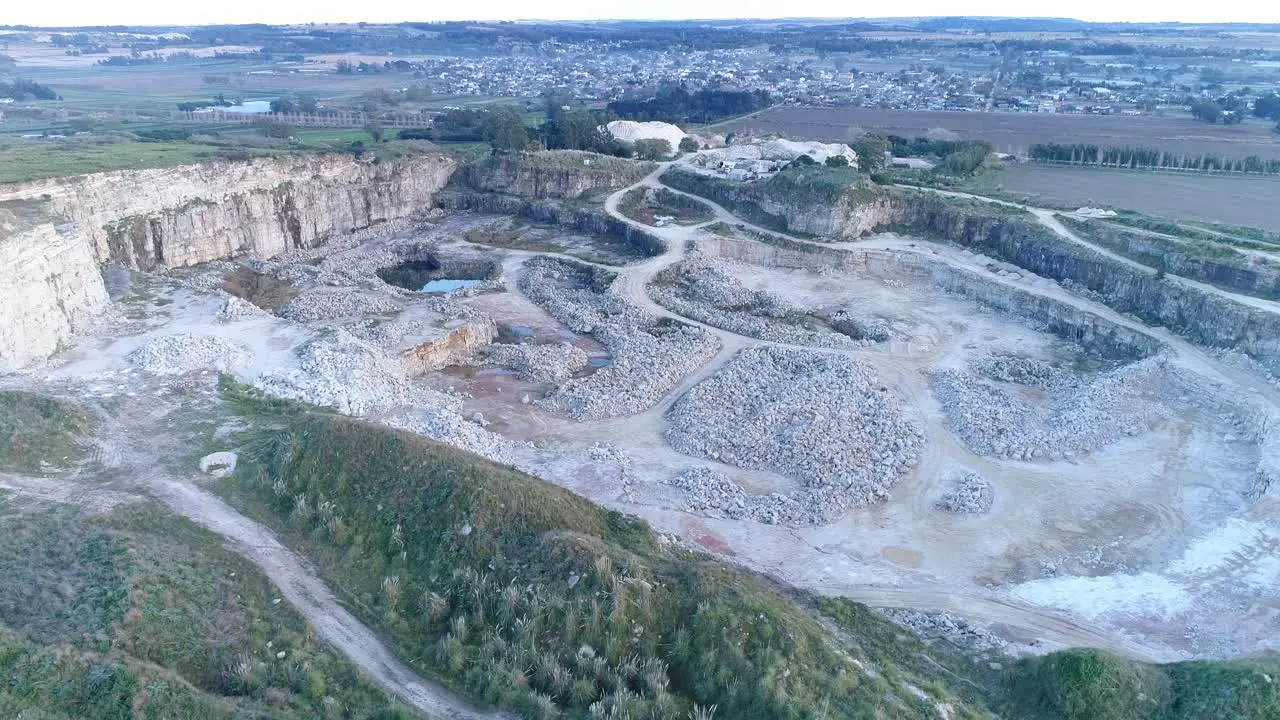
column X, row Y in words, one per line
column 558, row 174
column 195, row 213
column 49, row 286
column 56, row 231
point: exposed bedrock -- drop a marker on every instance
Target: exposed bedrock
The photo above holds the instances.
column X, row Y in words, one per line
column 1006, row 234
column 1095, row 333
column 54, row 232
column 564, row 174
column 576, row 217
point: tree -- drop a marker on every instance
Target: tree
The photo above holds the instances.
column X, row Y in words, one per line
column 282, row 106
column 653, row 149
column 688, row 145
column 1206, row 111
column 374, row 128
column 1267, row 106
column 871, row 151
column 504, row 128
column 306, row 104
column 837, row 161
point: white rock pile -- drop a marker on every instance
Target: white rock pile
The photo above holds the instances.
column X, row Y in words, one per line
column 538, row 362
column 443, row 421
column 944, row 627
column 821, row 418
column 235, row 309
column 1079, row 414
column 184, row 353
column 714, row 494
column 706, row 289
column 328, row 304
column 650, row 356
column 342, row 371
column 965, row 492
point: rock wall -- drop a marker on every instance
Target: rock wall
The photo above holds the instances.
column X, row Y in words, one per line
column 589, row 220
column 1203, row 317
column 1093, row 332
column 53, row 233
column 560, row 174
column 450, row 349
column 50, row 287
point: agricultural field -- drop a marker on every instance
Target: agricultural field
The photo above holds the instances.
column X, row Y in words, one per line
column 1016, row 132
column 1241, row 200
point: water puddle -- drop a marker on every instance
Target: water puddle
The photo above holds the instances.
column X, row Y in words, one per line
column 444, row 285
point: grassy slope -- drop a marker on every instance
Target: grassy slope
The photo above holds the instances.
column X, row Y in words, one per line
column 39, row 433
column 525, row 595
column 140, row 614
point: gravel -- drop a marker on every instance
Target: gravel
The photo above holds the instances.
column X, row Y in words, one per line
column 552, row 362
column 705, row 289
column 326, row 304
column 184, row 353
column 234, row 309
column 935, row 627
column 445, row 424
column 991, row 408
column 713, row 493
column 965, row 493
column 821, row 418
column 342, row 371
column 650, row 355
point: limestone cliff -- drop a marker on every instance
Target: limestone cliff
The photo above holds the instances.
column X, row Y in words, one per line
column 558, row 174
column 54, row 232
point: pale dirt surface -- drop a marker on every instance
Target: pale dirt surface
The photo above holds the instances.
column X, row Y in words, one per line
column 1145, row 546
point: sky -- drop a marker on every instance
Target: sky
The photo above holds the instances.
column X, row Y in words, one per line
column 170, row 12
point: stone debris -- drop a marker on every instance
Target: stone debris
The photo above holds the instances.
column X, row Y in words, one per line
column 935, row 627
column 342, row 371
column 184, row 353
column 821, row 418
column 705, row 289
column 713, row 493
column 552, row 362
column 444, row 423
column 219, row 464
column 966, row 493
column 234, row 309
column 328, row 304
column 1079, row 414
column 650, row 355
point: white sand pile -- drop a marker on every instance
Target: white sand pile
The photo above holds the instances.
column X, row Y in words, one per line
column 631, row 131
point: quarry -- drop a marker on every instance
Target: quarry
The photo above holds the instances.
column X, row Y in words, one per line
column 957, row 411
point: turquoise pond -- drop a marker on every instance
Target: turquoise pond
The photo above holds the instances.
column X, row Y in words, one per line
column 448, row 284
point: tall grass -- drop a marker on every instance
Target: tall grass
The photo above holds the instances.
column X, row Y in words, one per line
column 529, row 597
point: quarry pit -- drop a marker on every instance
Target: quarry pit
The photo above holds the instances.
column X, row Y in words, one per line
column 909, row 422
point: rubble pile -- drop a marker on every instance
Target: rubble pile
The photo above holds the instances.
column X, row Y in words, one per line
column 713, row 493
column 184, row 353
column 328, row 304
column 234, row 309
column 535, row 362
column 1078, row 414
column 943, row 627
column 650, row 355
column 966, row 493
column 443, row 422
column 821, row 418
column 706, row 290
column 342, row 371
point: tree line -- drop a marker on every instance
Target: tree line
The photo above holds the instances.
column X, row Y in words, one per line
column 678, row 105
column 1147, row 158
column 26, row 90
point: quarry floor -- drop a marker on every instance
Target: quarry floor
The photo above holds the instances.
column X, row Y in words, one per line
column 1143, row 546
